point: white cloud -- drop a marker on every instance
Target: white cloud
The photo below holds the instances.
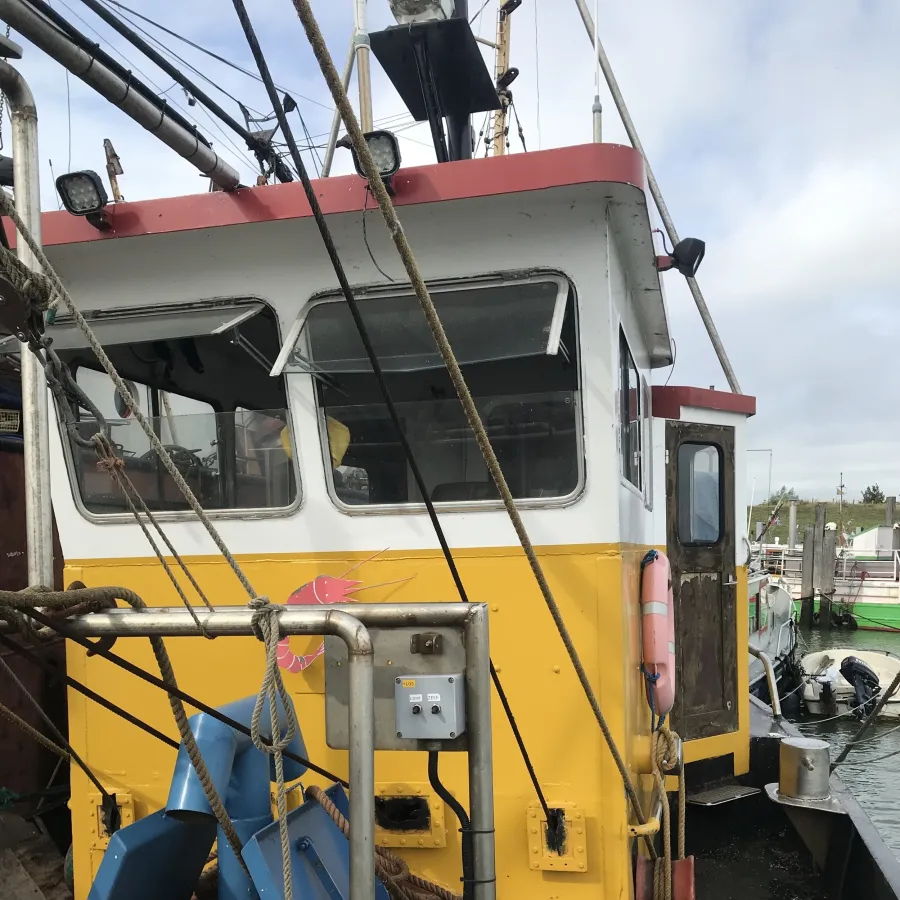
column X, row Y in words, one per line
column 771, row 131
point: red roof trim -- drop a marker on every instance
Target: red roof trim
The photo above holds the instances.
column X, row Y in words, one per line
column 587, row 164
column 668, row 401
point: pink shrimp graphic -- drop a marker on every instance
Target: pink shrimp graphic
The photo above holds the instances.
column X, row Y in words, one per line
column 324, row 589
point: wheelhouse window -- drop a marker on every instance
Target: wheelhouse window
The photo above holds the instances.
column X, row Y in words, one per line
column 630, row 424
column 516, row 344
column 201, row 375
column 699, row 494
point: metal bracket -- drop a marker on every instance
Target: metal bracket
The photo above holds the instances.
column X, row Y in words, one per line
column 428, row 644
column 16, row 315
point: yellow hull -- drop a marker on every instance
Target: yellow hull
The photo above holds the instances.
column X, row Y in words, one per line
column 597, row 589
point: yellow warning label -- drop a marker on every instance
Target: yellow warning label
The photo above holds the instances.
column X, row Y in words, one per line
column 409, row 682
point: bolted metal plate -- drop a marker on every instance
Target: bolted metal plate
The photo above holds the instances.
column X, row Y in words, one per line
column 393, row 658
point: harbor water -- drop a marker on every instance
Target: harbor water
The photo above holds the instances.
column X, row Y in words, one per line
column 871, row 770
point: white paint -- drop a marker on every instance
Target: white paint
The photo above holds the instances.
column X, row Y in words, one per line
column 284, row 264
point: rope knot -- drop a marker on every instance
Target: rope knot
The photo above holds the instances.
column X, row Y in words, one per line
column 110, row 464
column 264, row 618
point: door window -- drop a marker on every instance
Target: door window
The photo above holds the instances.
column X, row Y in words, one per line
column 699, row 494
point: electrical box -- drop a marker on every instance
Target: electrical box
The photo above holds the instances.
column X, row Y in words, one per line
column 430, row 707
column 404, row 653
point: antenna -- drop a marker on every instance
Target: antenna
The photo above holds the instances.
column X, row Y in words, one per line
column 597, row 109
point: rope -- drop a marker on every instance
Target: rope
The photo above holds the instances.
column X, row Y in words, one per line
column 393, row 872
column 265, row 625
column 664, row 757
column 54, row 284
column 115, row 467
column 25, row 600
column 339, row 95
column 7, row 207
column 64, row 745
column 33, row 733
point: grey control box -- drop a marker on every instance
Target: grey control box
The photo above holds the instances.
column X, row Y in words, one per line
column 430, row 707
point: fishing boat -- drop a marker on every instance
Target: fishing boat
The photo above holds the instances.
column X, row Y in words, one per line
column 839, row 681
column 514, row 627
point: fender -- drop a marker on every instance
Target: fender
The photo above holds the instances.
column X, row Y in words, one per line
column 658, row 632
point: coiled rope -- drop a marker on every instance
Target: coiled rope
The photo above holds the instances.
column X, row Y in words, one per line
column 401, row 884
column 664, row 758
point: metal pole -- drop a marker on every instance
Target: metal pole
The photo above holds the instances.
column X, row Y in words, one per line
column 35, row 408
column 363, row 63
column 92, row 72
column 459, row 129
column 668, row 223
column 481, row 758
column 336, row 121
column 362, row 766
column 597, row 109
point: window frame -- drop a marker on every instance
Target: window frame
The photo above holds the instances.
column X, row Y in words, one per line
column 647, row 436
column 117, row 518
column 720, row 483
column 448, row 284
column 626, row 356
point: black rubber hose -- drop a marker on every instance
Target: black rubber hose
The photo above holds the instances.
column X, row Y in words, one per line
column 468, row 856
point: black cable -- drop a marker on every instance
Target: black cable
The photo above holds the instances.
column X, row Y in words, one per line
column 353, row 306
column 109, row 800
column 259, row 147
column 122, row 663
column 465, row 825
column 36, row 660
column 93, row 49
column 222, row 59
column 366, row 238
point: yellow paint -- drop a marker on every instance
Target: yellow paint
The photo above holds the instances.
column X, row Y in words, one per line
column 597, row 589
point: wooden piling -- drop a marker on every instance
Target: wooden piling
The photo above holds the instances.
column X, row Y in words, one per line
column 826, row 582
column 806, row 573
column 819, row 554
column 890, row 504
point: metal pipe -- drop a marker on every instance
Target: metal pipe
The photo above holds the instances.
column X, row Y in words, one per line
column 363, row 63
column 225, row 621
column 109, row 85
column 770, row 680
column 336, row 121
column 362, row 764
column 597, row 112
column 253, row 141
column 481, row 757
column 35, row 408
column 668, row 223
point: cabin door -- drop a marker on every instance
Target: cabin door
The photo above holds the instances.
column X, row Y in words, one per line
column 701, row 548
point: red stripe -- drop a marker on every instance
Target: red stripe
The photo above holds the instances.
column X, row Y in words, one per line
column 587, row 164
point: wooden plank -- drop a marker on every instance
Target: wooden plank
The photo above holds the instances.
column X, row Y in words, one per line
column 15, row 883
column 806, row 579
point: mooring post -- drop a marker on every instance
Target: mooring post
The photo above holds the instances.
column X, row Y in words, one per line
column 792, row 526
column 806, row 578
column 819, row 555
column 890, row 504
column 826, row 582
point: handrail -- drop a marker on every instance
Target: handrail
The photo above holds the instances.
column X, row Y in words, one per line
column 770, row 679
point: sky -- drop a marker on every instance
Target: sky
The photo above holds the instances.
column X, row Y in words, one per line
column 770, row 127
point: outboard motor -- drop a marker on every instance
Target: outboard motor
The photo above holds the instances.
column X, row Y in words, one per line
column 866, row 686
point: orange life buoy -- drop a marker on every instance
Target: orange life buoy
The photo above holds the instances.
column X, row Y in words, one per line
column 658, row 631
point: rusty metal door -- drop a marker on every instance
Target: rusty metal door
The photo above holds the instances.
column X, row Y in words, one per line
column 700, row 507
